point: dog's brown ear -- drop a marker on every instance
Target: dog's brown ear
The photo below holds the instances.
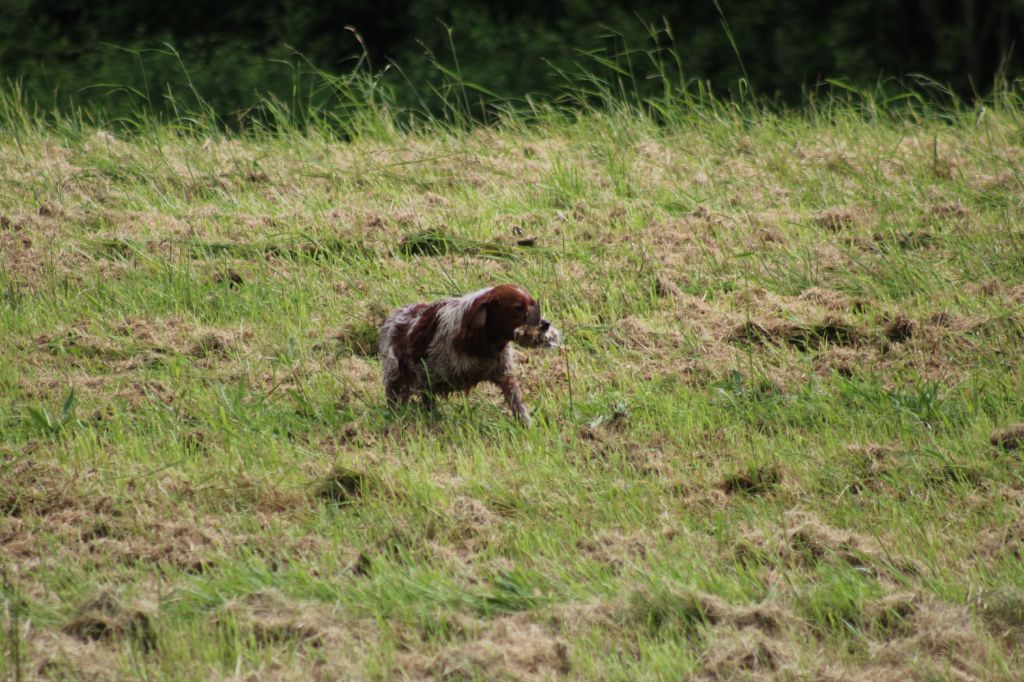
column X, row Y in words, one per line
column 478, row 318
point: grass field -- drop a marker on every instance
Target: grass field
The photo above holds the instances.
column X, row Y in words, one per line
column 779, row 441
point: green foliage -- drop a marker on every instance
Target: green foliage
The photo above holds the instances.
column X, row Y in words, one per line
column 456, row 59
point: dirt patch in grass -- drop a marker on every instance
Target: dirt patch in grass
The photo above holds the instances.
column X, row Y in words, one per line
column 29, row 247
column 343, row 486
column 358, row 375
column 209, row 344
column 342, row 641
column 914, row 637
column 836, row 219
column 240, row 493
column 831, row 331
column 873, row 452
column 907, row 636
column 904, row 240
column 606, row 442
column 273, row 619
column 677, row 244
column 835, row 301
column 22, row 262
column 401, row 540
column 941, row 350
column 37, row 489
column 888, row 617
column 42, row 505
column 137, row 342
column 229, row 277
column 899, row 328
column 846, row 362
column 755, row 480
column 721, row 331
column 806, row 541
column 1002, row 610
column 58, row 656
column 183, row 336
column 698, row 313
column 667, row 605
column 872, row 466
column 1011, row 296
column 742, row 642
column 696, row 496
column 471, row 524
column 616, row 549
column 641, row 335
column 988, row 287
column 1016, row 294
column 438, row 242
column 949, row 211
column 355, row 337
column 105, row 618
column 508, row 648
column 189, row 546
column 80, row 342
column 1006, row 540
column 1010, row 438
column 938, row 641
column 746, row 653
column 39, row 498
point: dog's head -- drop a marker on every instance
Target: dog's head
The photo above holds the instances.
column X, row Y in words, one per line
column 496, row 313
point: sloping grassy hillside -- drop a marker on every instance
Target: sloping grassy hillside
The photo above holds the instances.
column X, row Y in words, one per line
column 779, row 441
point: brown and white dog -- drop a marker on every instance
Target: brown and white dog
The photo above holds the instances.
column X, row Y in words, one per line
column 432, row 349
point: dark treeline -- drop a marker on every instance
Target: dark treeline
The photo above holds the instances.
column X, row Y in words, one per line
column 110, row 54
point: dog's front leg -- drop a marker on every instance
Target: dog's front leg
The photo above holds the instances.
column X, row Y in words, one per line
column 513, row 397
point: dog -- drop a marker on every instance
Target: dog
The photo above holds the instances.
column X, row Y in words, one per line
column 433, row 349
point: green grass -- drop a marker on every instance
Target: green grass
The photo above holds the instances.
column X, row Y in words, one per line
column 765, row 450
